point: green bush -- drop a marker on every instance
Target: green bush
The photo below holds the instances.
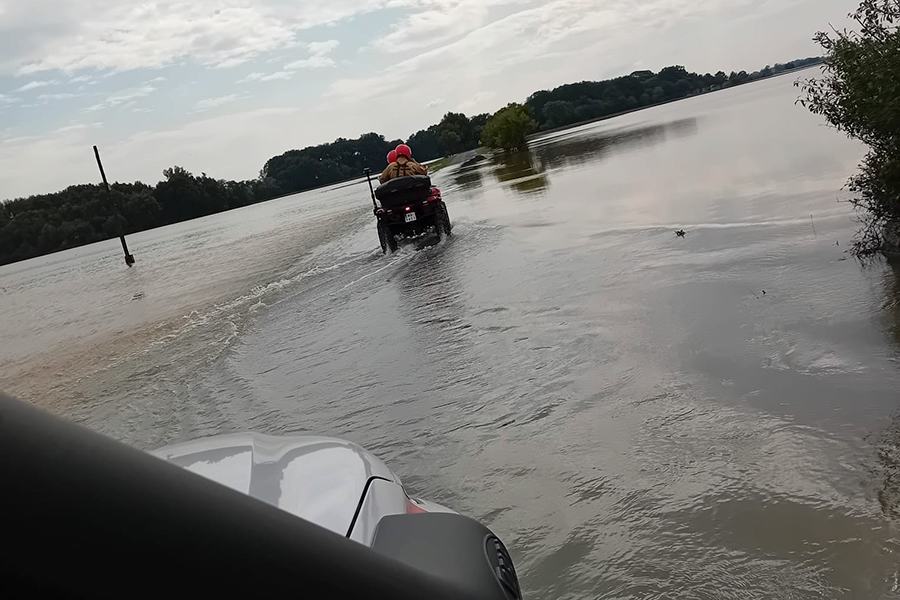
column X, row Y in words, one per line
column 509, row 128
column 859, row 94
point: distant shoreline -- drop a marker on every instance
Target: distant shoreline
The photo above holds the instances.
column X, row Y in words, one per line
column 42, row 224
column 540, row 134
column 449, row 161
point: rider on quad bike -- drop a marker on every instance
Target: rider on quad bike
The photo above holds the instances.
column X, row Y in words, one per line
column 406, row 204
column 403, row 166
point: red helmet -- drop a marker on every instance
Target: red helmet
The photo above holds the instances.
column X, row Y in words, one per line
column 404, row 150
column 392, row 156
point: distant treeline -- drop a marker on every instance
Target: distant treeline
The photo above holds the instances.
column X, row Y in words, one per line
column 588, row 100
column 83, row 214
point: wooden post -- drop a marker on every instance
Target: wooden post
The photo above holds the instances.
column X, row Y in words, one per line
column 129, row 259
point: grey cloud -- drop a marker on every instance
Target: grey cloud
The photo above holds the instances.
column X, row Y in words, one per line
column 322, row 48
column 313, row 62
column 529, row 34
column 71, row 35
column 79, row 126
column 45, row 98
column 251, row 77
column 437, row 24
column 33, row 85
column 124, row 97
column 278, row 76
column 216, row 102
column 318, row 56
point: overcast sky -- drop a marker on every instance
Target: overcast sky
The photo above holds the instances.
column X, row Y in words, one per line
column 222, row 85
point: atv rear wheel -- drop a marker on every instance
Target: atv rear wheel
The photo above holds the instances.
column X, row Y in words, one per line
column 386, row 239
column 442, row 224
column 381, row 239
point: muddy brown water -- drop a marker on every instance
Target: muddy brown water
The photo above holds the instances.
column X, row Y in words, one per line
column 638, row 415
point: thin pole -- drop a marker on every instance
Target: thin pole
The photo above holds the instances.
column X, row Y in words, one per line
column 129, row 259
column 371, row 189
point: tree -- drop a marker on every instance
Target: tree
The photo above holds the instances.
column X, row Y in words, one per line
column 315, row 166
column 478, row 122
column 683, row 87
column 451, row 142
column 83, row 214
column 508, row 128
column 425, row 144
column 455, row 134
column 673, row 74
column 180, row 195
column 587, row 100
column 859, row 94
column 559, row 113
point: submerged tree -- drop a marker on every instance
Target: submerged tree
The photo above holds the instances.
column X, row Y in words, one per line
column 859, row 94
column 509, row 128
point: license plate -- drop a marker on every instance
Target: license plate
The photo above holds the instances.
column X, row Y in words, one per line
column 410, row 217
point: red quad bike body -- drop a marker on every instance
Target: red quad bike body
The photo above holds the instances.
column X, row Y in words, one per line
column 409, row 207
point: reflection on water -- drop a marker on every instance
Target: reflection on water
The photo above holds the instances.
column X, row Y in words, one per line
column 887, row 470
column 887, row 446
column 519, row 172
column 468, row 177
column 586, row 146
column 892, row 299
column 529, row 173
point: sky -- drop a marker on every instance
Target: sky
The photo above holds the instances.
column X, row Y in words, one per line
column 220, row 86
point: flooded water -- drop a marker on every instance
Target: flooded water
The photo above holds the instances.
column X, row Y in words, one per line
column 638, row 415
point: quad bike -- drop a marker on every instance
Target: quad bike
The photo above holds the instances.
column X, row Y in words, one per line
column 243, row 515
column 408, row 207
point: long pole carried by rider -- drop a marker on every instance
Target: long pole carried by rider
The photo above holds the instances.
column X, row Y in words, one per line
column 368, row 173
